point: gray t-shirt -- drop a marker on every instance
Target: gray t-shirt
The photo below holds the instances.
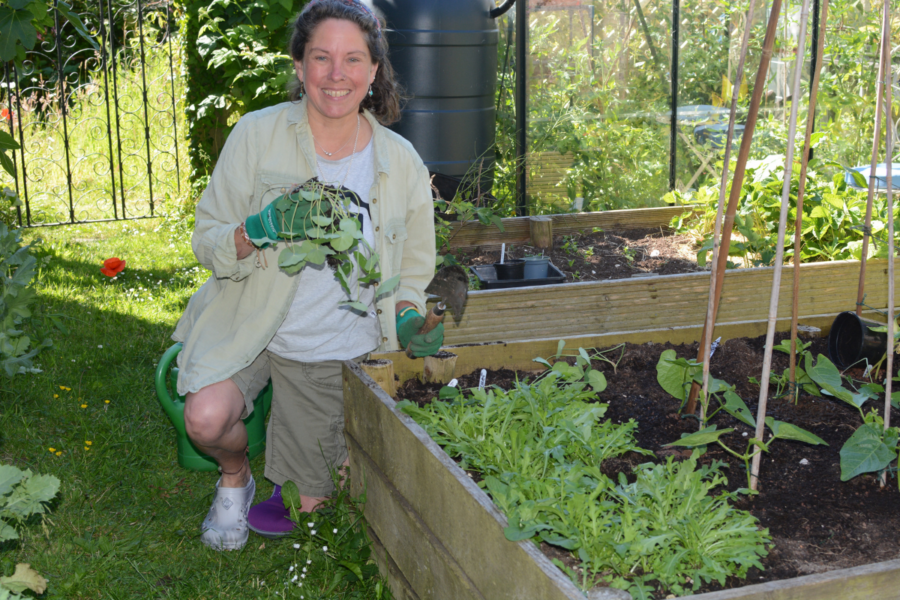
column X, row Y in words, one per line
column 316, row 327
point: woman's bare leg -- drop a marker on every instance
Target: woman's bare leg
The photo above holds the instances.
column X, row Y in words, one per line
column 212, row 418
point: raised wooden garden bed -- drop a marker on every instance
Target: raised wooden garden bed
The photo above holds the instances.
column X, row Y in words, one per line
column 660, row 302
column 517, row 230
column 437, row 534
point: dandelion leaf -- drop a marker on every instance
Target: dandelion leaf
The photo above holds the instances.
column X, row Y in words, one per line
column 24, row 578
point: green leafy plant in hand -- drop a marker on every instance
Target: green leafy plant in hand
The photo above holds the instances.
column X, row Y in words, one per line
column 331, row 233
column 871, row 448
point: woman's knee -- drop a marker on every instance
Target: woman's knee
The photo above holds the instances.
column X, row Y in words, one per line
column 212, row 412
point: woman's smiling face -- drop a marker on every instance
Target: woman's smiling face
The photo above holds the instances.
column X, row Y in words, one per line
column 336, row 69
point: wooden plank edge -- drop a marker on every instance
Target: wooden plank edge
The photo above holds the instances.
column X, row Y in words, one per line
column 444, row 575
column 473, row 233
column 511, row 354
column 397, row 583
column 846, row 584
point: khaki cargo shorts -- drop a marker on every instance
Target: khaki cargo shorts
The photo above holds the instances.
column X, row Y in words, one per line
column 305, row 436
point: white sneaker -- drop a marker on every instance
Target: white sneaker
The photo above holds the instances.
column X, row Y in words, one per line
column 225, row 526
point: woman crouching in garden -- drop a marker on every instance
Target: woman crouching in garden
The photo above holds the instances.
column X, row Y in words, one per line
column 251, row 321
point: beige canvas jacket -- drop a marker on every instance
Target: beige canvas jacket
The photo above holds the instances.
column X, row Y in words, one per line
column 235, row 314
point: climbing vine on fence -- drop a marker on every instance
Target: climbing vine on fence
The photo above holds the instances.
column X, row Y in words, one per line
column 236, row 61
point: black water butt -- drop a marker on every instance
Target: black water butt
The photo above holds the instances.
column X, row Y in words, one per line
column 445, row 55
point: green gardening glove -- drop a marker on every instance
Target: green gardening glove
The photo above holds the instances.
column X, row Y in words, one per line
column 421, row 345
column 287, row 217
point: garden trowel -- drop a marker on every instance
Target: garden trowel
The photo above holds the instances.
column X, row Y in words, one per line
column 451, row 285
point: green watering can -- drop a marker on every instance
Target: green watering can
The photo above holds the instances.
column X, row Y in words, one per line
column 189, row 456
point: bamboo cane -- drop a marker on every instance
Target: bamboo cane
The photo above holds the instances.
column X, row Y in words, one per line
column 804, row 163
column 867, row 231
column 738, row 181
column 779, row 250
column 887, row 79
column 707, row 332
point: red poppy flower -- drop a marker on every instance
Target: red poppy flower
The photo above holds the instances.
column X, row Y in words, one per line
column 6, row 114
column 112, row 266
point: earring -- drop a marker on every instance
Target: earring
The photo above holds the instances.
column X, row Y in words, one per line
column 302, row 90
column 370, row 90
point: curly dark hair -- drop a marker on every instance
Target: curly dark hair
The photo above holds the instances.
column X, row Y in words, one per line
column 384, row 102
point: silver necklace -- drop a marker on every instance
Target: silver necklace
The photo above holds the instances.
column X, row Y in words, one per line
column 352, row 156
column 327, row 153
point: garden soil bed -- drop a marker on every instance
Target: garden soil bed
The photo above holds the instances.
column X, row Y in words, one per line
column 603, row 255
column 817, row 522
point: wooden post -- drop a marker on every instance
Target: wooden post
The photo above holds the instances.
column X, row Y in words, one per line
column 779, row 249
column 440, row 367
column 382, row 371
column 804, row 163
column 541, row 232
column 706, row 340
column 887, row 80
column 737, row 182
column 879, row 107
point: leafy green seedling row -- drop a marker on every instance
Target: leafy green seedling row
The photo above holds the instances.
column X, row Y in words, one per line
column 539, row 448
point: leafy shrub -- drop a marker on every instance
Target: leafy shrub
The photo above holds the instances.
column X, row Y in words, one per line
column 19, row 310
column 833, row 216
column 236, row 61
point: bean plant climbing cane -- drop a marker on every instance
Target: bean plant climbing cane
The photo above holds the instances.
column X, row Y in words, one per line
column 316, row 224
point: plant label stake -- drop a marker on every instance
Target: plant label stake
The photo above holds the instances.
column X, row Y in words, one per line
column 483, row 379
column 451, row 284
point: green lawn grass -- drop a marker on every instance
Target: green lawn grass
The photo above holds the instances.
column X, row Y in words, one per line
column 126, row 521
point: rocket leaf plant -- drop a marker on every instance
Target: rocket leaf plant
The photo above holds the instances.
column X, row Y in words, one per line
column 330, row 233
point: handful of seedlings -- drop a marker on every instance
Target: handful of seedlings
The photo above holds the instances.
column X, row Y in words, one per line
column 317, row 224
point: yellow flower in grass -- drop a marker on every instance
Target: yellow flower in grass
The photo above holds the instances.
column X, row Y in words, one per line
column 55, row 396
column 65, row 389
column 52, row 449
column 88, row 443
column 59, row 453
column 106, row 401
column 87, row 448
column 84, row 406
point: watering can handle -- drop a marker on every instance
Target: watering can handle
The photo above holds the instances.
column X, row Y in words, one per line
column 162, row 390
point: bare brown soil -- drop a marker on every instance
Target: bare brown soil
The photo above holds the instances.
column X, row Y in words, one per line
column 817, row 522
column 602, row 255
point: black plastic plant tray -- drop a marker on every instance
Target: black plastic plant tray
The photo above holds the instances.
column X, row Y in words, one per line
column 487, row 276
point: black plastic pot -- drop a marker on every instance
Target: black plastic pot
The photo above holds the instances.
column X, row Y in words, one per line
column 511, row 269
column 536, row 267
column 851, row 340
